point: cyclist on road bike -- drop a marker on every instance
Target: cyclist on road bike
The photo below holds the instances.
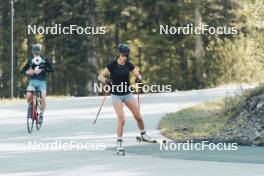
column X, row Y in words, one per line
column 37, row 67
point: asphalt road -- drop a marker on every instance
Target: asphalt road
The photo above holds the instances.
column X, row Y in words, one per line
column 69, row 121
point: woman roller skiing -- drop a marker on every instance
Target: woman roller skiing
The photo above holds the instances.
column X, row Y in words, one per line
column 119, row 70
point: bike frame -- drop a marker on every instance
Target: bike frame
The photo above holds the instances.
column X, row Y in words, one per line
column 33, row 100
column 34, row 103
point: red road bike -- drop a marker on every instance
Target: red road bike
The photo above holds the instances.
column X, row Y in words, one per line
column 33, row 110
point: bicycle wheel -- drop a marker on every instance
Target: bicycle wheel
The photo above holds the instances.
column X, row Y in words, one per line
column 30, row 120
column 38, row 125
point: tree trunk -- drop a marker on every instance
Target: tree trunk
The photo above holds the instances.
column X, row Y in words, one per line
column 199, row 51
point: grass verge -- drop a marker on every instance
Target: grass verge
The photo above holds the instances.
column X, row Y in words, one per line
column 209, row 120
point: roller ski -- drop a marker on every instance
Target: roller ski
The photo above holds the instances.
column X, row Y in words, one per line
column 145, row 138
column 120, row 149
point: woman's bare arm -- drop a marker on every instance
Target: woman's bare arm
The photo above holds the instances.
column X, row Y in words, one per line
column 103, row 74
column 136, row 74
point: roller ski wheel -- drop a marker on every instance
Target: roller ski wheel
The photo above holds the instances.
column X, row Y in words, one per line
column 120, row 152
column 140, row 139
column 120, row 149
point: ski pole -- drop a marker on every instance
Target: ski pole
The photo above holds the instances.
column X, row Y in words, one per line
column 138, row 99
column 100, row 108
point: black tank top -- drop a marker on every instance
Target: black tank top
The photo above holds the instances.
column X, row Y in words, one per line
column 120, row 76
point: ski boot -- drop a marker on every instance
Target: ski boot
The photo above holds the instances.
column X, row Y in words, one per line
column 120, row 149
column 145, row 138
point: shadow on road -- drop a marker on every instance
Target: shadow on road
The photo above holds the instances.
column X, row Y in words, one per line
column 244, row 154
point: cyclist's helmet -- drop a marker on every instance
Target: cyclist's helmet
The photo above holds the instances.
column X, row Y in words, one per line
column 36, row 48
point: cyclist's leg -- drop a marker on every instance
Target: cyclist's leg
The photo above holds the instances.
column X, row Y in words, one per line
column 43, row 101
column 28, row 96
column 43, row 88
column 31, row 87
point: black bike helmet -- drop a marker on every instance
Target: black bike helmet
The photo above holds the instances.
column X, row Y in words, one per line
column 36, row 48
column 124, row 49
